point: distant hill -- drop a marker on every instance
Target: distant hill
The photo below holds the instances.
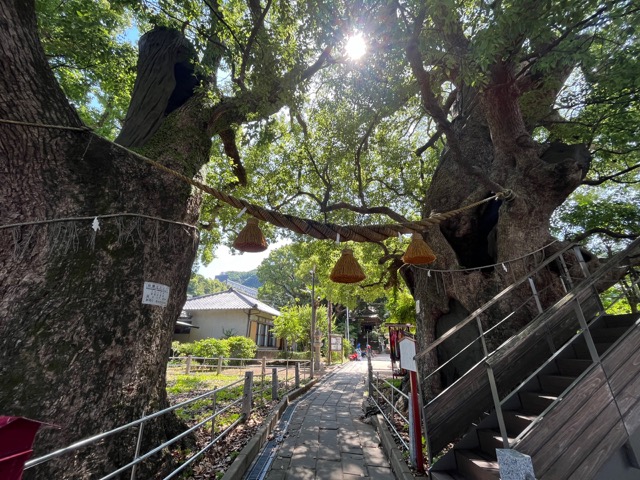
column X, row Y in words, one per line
column 249, row 279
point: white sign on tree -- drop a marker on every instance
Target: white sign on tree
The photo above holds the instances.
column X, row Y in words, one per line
column 155, row 294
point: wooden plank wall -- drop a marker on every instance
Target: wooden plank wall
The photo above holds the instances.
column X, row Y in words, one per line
column 592, row 421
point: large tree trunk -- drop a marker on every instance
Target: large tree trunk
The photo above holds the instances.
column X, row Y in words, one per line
column 493, row 138
column 78, row 348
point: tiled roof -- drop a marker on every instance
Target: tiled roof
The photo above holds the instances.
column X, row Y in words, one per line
column 229, row 300
column 238, row 287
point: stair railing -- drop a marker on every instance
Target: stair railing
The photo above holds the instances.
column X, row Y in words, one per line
column 527, row 278
column 629, row 289
column 571, row 285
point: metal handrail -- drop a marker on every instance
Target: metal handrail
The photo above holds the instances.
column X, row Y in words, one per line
column 101, row 436
column 473, row 342
column 491, row 302
column 573, row 296
column 393, row 407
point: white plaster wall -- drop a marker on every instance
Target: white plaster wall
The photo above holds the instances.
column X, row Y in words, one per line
column 213, row 323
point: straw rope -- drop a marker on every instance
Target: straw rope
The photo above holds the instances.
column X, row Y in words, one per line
column 322, row 231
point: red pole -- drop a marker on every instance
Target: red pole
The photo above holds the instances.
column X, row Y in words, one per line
column 417, row 428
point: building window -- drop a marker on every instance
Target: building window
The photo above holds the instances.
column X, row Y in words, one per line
column 265, row 336
column 260, row 339
column 271, row 337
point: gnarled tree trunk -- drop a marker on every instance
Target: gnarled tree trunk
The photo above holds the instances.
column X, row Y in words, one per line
column 493, row 139
column 78, row 349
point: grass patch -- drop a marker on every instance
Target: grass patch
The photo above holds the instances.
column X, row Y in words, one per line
column 179, row 383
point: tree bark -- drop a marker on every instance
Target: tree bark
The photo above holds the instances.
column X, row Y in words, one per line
column 491, row 132
column 78, row 348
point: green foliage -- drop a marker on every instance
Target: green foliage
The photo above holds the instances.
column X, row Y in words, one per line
column 200, row 285
column 282, row 282
column 589, row 208
column 294, row 323
column 249, row 279
column 342, row 148
column 181, row 349
column 288, row 326
column 241, row 347
column 211, row 348
column 81, row 45
column 401, row 307
column 234, row 346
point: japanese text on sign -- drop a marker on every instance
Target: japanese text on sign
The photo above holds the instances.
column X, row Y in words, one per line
column 155, row 294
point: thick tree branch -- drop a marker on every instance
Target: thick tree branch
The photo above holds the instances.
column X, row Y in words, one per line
column 605, row 231
column 432, row 107
column 601, row 180
column 258, row 16
column 430, row 143
column 228, row 138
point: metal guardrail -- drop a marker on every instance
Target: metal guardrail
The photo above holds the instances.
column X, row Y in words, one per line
column 243, row 401
column 386, row 405
column 504, row 293
column 573, row 288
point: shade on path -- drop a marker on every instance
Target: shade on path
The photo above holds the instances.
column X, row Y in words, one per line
column 327, row 438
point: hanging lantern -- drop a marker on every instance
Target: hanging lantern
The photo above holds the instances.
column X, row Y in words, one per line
column 250, row 238
column 418, row 252
column 347, row 269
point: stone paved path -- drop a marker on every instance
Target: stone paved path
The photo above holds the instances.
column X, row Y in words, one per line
column 327, row 439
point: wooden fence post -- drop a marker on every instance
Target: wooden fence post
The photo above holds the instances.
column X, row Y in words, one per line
column 264, row 366
column 297, row 370
column 274, row 384
column 219, row 365
column 247, row 399
column 188, row 367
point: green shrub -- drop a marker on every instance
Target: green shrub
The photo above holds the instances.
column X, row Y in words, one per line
column 183, row 349
column 241, row 347
column 211, row 347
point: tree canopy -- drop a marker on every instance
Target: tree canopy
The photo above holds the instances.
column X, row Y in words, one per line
column 362, row 142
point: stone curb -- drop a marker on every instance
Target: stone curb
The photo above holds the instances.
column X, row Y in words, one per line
column 251, row 450
column 398, row 465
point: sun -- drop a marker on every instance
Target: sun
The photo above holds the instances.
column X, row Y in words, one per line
column 356, row 47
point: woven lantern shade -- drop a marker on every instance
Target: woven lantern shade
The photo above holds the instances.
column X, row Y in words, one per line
column 347, row 269
column 250, row 238
column 418, row 252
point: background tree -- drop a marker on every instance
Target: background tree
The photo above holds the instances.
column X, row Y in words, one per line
column 288, row 326
column 199, row 285
column 294, row 324
column 250, row 278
